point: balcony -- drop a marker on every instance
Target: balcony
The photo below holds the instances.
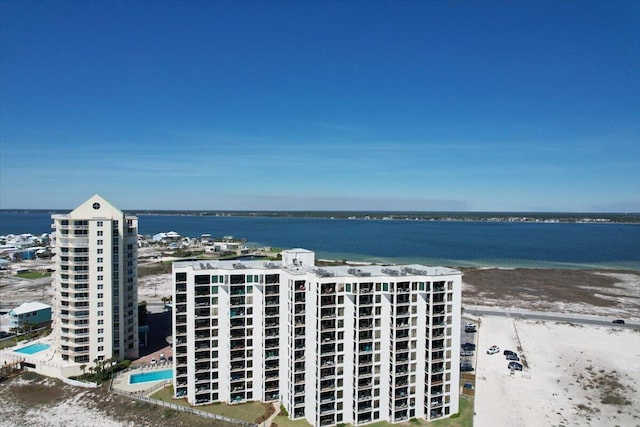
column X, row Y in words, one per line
column 328, row 301
column 438, row 288
column 365, row 348
column 328, row 313
column 272, row 389
column 271, row 343
column 271, row 290
column 365, row 324
column 237, row 301
column 236, row 313
column 237, row 376
column 327, row 337
column 326, row 385
column 327, row 373
column 436, row 391
column 365, row 312
column 202, row 324
column 327, row 409
column 327, row 420
column 365, row 335
column 402, row 381
column 328, row 289
column 327, row 349
column 237, row 355
column 365, row 300
column 365, row 407
column 328, row 325
column 271, row 311
column 365, row 383
column 403, row 288
column 437, row 379
column 271, row 364
column 271, row 323
column 271, row 301
column 270, row 355
column 237, row 323
column 365, row 371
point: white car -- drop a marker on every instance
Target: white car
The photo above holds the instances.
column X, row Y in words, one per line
column 493, row 349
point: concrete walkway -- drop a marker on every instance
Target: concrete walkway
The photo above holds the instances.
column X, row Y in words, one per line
column 276, row 406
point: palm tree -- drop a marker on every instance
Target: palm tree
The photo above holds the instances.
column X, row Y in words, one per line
column 83, row 367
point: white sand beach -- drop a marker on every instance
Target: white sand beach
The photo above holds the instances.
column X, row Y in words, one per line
column 575, row 375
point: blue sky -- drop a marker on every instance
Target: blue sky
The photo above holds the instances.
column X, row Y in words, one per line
column 407, row 105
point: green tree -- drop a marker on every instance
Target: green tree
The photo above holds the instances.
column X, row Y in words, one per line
column 142, row 313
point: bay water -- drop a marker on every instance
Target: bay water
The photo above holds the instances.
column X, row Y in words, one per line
column 451, row 243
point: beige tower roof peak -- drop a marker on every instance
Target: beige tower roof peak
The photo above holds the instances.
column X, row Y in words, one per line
column 96, row 207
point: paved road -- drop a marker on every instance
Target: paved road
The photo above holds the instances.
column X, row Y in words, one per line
column 554, row 317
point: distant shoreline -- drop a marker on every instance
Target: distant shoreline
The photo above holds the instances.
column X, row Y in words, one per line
column 508, row 217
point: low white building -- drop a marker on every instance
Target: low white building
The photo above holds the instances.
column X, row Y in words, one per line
column 332, row 344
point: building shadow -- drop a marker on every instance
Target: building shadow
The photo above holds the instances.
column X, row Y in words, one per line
column 155, row 338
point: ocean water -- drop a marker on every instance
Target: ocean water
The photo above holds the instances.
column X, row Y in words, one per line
column 501, row 244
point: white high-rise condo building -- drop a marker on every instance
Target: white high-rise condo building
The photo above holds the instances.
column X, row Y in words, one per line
column 95, row 314
column 334, row 345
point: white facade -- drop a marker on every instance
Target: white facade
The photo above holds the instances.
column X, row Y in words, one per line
column 333, row 344
column 95, row 314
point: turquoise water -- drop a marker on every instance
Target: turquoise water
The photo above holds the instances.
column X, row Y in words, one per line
column 33, row 348
column 146, row 377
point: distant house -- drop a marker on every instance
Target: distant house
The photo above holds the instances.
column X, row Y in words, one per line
column 171, row 236
column 34, row 313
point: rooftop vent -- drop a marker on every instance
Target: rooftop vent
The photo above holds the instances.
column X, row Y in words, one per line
column 324, row 273
column 391, row 272
column 415, row 271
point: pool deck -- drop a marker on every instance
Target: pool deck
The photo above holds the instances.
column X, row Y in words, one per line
column 121, row 381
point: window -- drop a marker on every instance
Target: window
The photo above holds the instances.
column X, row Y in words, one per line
column 99, row 251
column 100, row 339
column 99, row 259
column 99, row 232
column 100, row 268
column 100, row 286
column 100, row 304
column 100, row 348
column 100, row 330
column 99, row 242
column 99, row 223
column 100, row 322
column 100, row 295
column 99, row 277
column 101, row 313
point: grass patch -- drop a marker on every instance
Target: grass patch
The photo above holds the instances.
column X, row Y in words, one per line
column 33, row 275
column 155, row 268
column 464, row 418
column 250, row 412
column 283, row 421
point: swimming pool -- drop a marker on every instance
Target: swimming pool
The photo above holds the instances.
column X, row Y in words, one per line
column 33, row 348
column 146, row 377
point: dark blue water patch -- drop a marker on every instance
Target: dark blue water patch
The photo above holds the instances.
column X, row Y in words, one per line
column 563, row 245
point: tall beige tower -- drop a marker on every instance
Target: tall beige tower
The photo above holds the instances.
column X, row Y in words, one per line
column 95, row 314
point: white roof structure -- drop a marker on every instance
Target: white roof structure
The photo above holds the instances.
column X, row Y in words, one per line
column 28, row 307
